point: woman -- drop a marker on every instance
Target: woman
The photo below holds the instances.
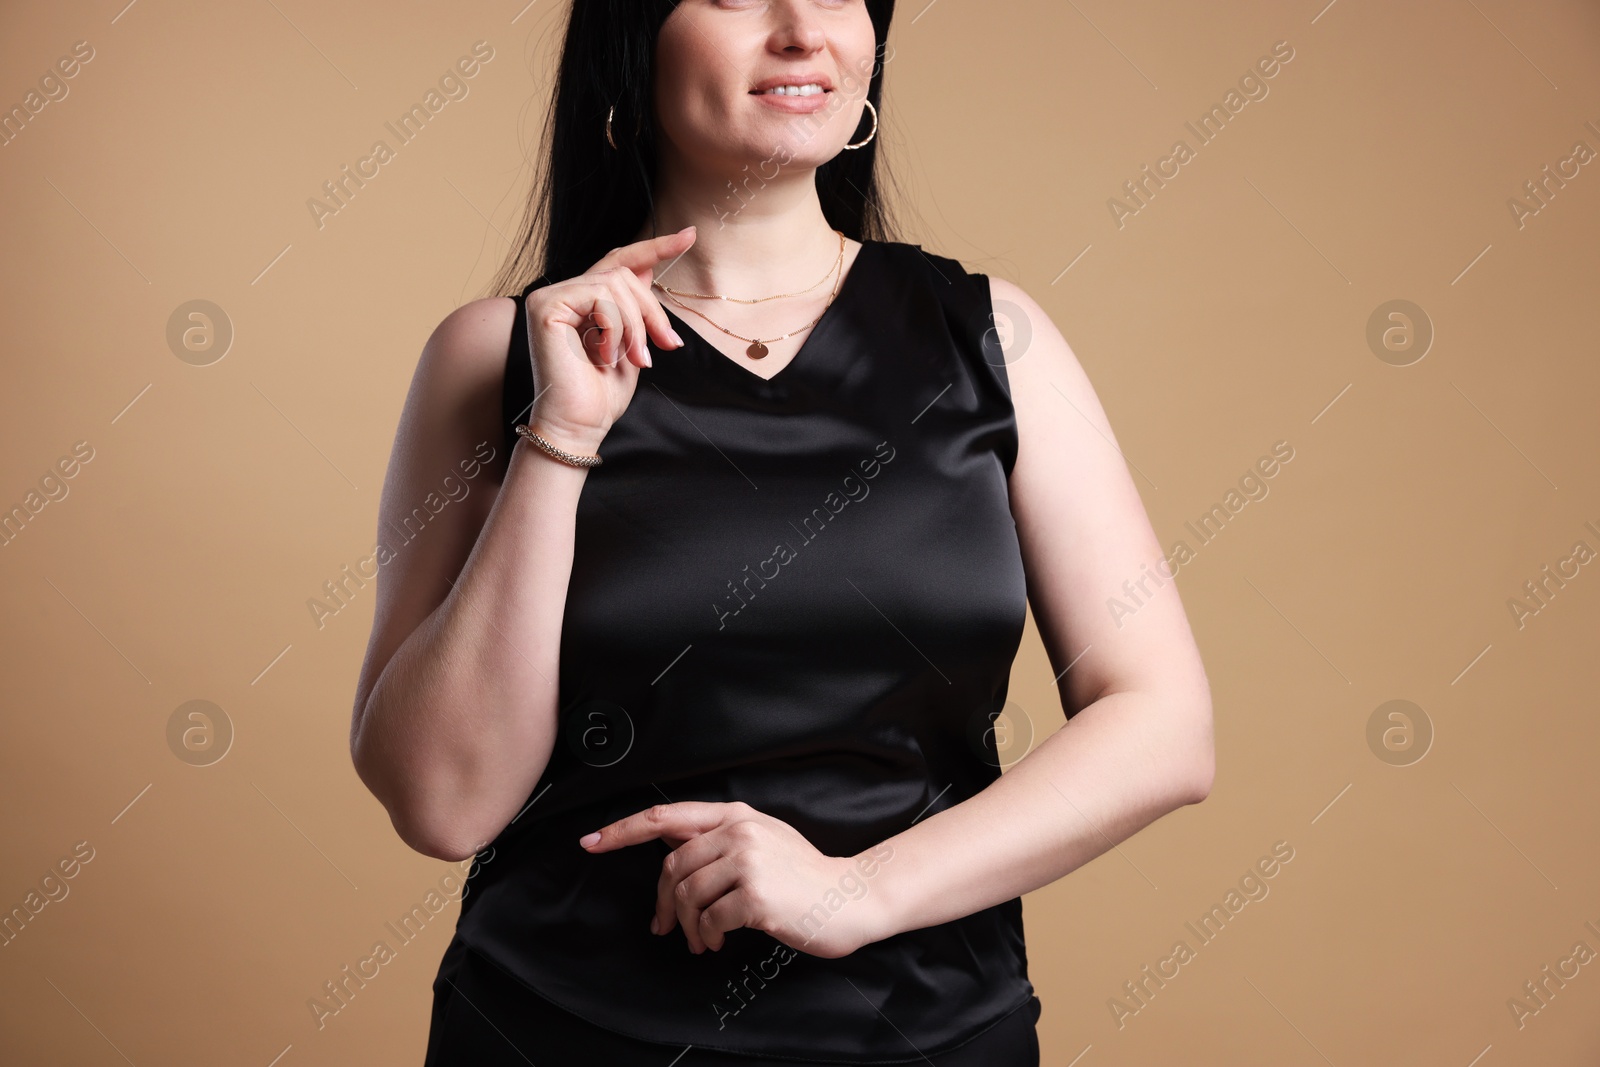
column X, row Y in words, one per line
column 775, row 831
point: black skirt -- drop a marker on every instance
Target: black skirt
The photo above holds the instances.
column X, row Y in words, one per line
column 483, row 1017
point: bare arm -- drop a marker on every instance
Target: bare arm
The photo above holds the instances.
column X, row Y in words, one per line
column 1138, row 741
column 455, row 710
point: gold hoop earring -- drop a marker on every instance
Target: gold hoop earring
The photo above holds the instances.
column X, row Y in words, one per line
column 610, row 113
column 874, row 132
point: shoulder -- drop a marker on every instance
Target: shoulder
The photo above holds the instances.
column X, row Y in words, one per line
column 459, row 380
column 938, row 292
column 467, row 350
column 1040, row 363
column 1019, row 298
column 944, row 272
column 475, row 331
column 1013, row 323
column 961, row 294
column 1057, row 411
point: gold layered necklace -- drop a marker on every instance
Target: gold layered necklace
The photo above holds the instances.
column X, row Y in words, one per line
column 757, row 346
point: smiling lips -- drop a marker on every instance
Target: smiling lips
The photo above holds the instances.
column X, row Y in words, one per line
column 795, row 93
column 793, row 78
column 809, row 89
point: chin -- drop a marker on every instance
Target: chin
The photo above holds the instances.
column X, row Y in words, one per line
column 767, row 158
column 804, row 148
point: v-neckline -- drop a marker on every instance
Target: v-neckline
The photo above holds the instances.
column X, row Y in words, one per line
column 712, row 352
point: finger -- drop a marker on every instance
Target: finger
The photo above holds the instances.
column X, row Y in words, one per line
column 601, row 334
column 684, row 861
column 632, row 344
column 650, row 309
column 729, row 912
column 589, row 306
column 644, row 255
column 685, row 819
column 568, row 303
column 699, row 891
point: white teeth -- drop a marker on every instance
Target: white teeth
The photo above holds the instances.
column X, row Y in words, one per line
column 795, row 90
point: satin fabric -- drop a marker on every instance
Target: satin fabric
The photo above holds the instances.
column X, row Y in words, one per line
column 483, row 1017
column 805, row 594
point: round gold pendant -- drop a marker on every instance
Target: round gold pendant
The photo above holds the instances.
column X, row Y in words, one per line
column 757, row 350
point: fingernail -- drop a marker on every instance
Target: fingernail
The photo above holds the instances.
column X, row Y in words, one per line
column 588, row 839
column 687, row 228
column 647, row 361
column 675, row 338
column 655, row 925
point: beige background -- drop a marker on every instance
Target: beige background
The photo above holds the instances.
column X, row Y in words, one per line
column 1227, row 314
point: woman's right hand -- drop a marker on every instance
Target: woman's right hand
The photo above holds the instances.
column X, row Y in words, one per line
column 587, row 337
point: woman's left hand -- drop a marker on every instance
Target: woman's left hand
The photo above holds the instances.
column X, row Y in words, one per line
column 733, row 866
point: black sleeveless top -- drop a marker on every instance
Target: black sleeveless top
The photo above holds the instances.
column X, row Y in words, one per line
column 805, row 594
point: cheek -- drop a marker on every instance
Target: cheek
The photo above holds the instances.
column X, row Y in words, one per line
column 689, row 89
column 861, row 60
column 859, row 35
column 690, row 112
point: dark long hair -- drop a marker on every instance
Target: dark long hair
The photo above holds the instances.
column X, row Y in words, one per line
column 589, row 198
